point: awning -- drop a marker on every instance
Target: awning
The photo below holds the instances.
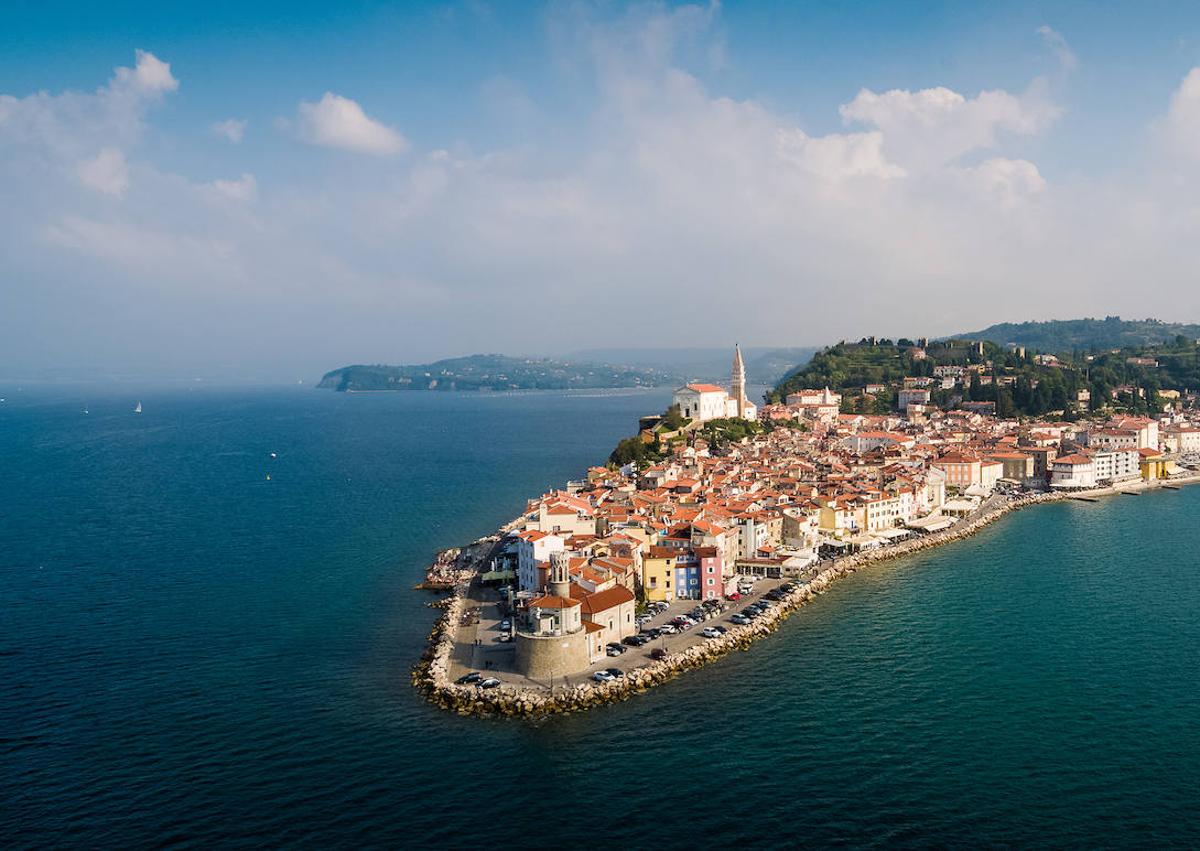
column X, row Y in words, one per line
column 932, row 523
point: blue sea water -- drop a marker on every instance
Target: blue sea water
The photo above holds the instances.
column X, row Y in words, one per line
column 194, row 656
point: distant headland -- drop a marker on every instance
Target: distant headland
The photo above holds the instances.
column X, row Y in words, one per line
column 588, row 370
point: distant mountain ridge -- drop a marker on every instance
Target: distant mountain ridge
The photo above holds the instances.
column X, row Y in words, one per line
column 1064, row 335
column 492, row 372
column 763, row 365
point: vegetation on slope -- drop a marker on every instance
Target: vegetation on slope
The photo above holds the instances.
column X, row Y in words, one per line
column 1063, row 336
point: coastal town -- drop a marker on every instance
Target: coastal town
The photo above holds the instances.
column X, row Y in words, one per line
column 649, row 567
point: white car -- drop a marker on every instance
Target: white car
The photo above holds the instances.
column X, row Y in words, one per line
column 603, row 677
column 668, row 629
column 709, row 632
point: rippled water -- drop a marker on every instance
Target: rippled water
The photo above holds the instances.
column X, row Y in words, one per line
column 193, row 655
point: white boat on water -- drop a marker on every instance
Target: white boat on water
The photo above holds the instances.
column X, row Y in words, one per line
column 138, row 409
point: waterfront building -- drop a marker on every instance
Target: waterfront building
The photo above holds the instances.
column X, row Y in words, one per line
column 658, row 574
column 1117, row 465
column 711, row 573
column 1072, row 472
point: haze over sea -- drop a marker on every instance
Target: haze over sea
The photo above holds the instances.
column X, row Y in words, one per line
column 194, row 656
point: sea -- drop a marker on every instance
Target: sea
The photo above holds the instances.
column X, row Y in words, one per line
column 208, row 622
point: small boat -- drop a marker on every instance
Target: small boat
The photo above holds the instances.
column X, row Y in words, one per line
column 273, row 455
column 268, row 477
column 85, row 410
column 138, row 409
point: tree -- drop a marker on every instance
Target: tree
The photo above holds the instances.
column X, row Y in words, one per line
column 674, row 419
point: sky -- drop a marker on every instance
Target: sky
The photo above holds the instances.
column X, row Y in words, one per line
column 272, row 190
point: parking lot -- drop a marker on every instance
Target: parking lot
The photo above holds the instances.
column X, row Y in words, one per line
column 479, row 648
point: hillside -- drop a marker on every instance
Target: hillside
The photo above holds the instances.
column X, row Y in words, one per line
column 1085, row 335
column 493, row 372
column 1128, row 378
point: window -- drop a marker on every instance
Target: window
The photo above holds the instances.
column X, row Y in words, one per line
column 712, row 581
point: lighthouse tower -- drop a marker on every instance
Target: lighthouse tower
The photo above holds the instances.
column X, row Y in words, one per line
column 560, row 575
column 737, row 382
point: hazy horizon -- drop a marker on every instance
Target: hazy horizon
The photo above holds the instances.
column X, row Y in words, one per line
column 273, row 192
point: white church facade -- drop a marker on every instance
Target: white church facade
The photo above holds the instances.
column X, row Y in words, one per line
column 703, row 402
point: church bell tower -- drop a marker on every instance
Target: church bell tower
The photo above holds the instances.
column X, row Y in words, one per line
column 738, row 381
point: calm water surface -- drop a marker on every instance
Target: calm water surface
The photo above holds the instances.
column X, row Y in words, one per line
column 192, row 655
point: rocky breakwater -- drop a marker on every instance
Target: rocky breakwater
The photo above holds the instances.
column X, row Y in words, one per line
column 431, row 675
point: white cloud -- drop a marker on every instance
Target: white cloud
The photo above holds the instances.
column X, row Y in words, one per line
column 231, row 129
column 150, row 75
column 106, row 172
column 1055, row 41
column 1182, row 123
column 930, row 127
column 1007, row 181
column 837, row 155
column 338, row 122
column 245, row 188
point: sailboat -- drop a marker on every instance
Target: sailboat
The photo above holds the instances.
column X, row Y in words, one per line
column 138, row 409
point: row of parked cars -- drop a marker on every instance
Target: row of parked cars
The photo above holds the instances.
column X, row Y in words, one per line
column 474, row 678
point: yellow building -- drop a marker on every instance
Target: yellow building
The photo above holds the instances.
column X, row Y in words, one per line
column 1155, row 466
column 658, row 569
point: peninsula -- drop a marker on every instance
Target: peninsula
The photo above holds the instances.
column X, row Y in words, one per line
column 721, row 517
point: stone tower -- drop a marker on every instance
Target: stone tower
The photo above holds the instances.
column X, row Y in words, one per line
column 738, row 381
column 560, row 575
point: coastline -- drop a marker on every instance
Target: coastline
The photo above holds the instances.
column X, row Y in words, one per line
column 431, row 674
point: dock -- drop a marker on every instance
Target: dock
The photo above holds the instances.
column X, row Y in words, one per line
column 1082, row 498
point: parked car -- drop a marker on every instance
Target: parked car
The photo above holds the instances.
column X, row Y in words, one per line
column 668, row 629
column 709, row 632
column 503, row 638
column 658, row 654
column 634, row 640
column 615, row 673
column 613, row 645
column 720, row 629
column 603, row 677
column 505, row 625
column 740, row 619
column 467, row 679
column 652, row 632
column 490, row 682
column 734, row 596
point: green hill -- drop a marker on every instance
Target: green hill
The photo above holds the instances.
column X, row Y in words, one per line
column 1122, row 378
column 1085, row 335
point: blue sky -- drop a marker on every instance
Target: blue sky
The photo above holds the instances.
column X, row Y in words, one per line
column 398, row 182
